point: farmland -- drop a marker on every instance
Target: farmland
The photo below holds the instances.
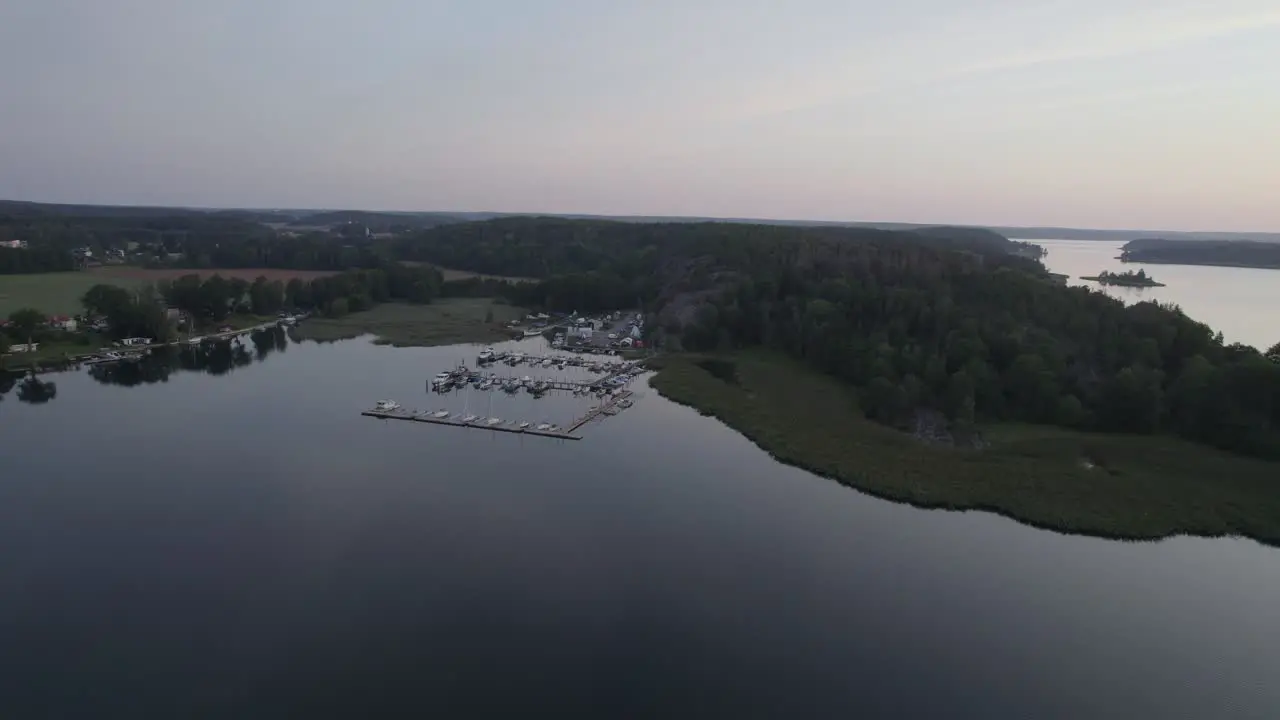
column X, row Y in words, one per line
column 60, row 293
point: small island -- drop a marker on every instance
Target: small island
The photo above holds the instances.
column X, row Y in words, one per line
column 1124, row 279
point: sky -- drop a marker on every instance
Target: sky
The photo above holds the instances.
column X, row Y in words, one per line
column 1151, row 114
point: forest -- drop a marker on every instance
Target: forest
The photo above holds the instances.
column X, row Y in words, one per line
column 948, row 323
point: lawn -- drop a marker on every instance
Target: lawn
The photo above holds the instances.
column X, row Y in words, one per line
column 1123, row 486
column 51, row 293
column 443, row 322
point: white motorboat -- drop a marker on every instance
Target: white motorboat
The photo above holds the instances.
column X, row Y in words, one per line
column 470, row 418
column 486, row 355
column 440, row 414
column 440, row 379
column 544, row 426
column 526, row 380
column 493, row 421
column 387, row 405
column 524, row 425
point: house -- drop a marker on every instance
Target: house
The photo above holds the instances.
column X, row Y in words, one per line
column 14, row 244
column 63, row 322
column 135, row 341
column 626, row 342
column 24, row 347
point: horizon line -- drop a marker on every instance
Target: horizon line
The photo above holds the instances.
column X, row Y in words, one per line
column 677, row 218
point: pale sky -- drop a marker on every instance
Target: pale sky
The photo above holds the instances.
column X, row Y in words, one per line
column 1161, row 114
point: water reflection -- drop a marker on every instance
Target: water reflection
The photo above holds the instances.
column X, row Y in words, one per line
column 31, row 389
column 211, row 358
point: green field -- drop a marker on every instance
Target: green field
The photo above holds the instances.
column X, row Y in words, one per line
column 1122, row 486
column 52, row 293
column 443, row 322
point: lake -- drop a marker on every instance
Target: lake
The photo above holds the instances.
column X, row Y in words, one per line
column 234, row 540
column 1236, row 301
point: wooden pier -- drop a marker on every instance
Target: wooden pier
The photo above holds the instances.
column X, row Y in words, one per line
column 605, row 408
column 551, row 384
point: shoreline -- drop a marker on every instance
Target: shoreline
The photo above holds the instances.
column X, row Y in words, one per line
column 1142, row 488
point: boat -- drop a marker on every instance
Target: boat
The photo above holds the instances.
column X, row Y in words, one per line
column 532, row 333
column 544, row 426
column 470, row 418
column 526, row 380
column 486, row 355
column 524, row 425
column 485, row 385
column 440, row 379
column 493, row 421
column 624, row 404
column 386, row 405
column 440, row 414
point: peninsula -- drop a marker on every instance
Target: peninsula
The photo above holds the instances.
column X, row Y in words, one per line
column 1125, row 279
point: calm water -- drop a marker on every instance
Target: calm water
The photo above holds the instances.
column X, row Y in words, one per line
column 247, row 546
column 1240, row 302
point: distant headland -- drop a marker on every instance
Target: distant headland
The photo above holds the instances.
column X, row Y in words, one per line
column 1228, row 253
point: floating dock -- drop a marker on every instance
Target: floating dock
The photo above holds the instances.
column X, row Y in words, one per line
column 477, row 424
column 507, row 426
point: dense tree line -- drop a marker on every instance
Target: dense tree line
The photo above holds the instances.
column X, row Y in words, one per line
column 129, row 313
column 212, row 299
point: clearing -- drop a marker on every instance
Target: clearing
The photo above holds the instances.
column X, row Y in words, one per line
column 451, row 274
column 443, row 322
column 112, row 273
column 1122, row 486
